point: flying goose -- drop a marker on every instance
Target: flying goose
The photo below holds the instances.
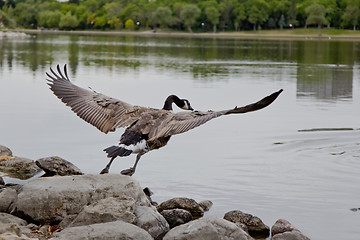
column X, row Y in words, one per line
column 147, row 128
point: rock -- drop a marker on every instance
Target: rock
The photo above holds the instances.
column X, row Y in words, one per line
column 10, row 228
column 290, row 236
column 57, row 166
column 152, row 221
column 44, row 229
column 284, row 230
column 176, row 217
column 2, row 182
column 22, row 167
column 207, row 229
column 112, row 230
column 13, row 35
column 254, row 224
column 182, row 203
column 106, row 210
column 7, row 197
column 8, row 218
column 4, row 151
column 49, row 200
column 206, row 205
column 93, row 198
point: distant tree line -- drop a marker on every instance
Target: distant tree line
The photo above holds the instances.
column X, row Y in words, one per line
column 190, row 15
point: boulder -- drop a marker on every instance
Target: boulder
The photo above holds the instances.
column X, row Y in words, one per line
column 57, row 166
column 284, row 230
column 2, row 182
column 88, row 199
column 22, row 168
column 7, row 197
column 6, row 218
column 4, row 151
column 10, row 230
column 106, row 210
column 112, row 230
column 206, row 205
column 187, row 204
column 207, row 229
column 254, row 224
column 152, row 221
column 176, row 217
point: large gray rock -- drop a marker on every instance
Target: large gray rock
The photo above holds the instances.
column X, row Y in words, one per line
column 187, row 204
column 49, row 200
column 255, row 226
column 8, row 218
column 107, row 210
column 8, row 230
column 7, row 198
column 284, row 230
column 152, row 221
column 207, row 229
column 176, row 217
column 22, row 168
column 88, row 199
column 206, row 205
column 5, row 151
column 104, row 231
column 57, row 166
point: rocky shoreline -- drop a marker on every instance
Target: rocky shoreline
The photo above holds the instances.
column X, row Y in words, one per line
column 67, row 204
column 13, row 35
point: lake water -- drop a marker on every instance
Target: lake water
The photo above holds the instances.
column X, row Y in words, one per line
column 291, row 160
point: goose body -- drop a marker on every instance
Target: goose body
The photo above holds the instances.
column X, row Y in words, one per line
column 147, row 128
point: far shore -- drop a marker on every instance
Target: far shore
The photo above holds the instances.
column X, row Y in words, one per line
column 262, row 34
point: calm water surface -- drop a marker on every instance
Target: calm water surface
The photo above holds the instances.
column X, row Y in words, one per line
column 289, row 160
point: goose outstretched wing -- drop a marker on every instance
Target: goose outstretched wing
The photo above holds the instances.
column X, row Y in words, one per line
column 103, row 112
column 184, row 121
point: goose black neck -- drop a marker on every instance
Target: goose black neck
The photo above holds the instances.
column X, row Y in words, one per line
column 172, row 99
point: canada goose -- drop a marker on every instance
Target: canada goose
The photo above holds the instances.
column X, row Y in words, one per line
column 148, row 128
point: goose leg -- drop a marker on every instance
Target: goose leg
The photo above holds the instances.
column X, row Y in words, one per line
column 106, row 169
column 131, row 170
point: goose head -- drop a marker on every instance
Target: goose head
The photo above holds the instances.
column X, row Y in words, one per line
column 181, row 103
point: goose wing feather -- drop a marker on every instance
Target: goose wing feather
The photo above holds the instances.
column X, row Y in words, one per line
column 184, row 121
column 103, row 112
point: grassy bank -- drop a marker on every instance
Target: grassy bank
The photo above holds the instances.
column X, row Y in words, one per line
column 301, row 33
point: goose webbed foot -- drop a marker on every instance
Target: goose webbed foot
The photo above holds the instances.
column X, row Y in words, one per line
column 128, row 172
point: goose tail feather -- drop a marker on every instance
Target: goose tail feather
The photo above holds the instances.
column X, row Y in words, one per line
column 115, row 151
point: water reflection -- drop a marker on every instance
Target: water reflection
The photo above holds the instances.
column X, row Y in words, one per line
column 323, row 68
column 325, row 82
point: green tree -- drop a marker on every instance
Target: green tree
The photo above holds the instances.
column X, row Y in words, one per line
column 240, row 16
column 49, row 19
column 351, row 14
column 131, row 11
column 25, row 13
column 163, row 16
column 129, row 24
column 189, row 14
column 316, row 15
column 292, row 14
column 6, row 20
column 226, row 7
column 257, row 12
column 281, row 22
column 212, row 15
column 100, row 21
column 68, row 21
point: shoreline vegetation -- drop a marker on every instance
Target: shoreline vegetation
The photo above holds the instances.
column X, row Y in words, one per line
column 307, row 34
